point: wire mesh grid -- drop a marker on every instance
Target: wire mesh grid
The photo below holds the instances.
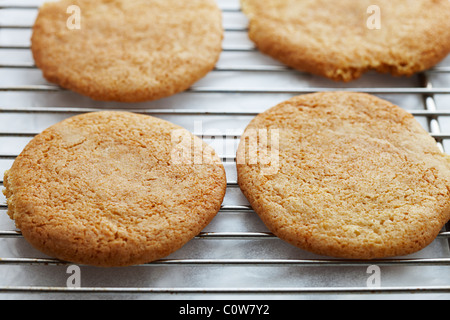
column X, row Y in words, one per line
column 236, row 256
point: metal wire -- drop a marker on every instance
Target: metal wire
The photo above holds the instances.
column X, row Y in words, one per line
column 431, row 112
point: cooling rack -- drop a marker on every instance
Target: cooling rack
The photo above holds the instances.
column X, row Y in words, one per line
column 236, row 256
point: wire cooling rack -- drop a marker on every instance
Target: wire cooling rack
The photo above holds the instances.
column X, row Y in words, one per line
column 236, row 256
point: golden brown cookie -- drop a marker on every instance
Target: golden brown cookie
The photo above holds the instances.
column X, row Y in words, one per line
column 113, row 189
column 341, row 40
column 127, row 51
column 355, row 177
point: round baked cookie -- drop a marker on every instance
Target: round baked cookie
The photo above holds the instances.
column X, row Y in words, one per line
column 346, row 175
column 127, row 51
column 113, row 189
column 343, row 39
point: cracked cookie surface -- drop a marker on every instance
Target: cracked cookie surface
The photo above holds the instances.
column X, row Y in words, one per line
column 128, row 51
column 332, row 38
column 102, row 189
column 358, row 177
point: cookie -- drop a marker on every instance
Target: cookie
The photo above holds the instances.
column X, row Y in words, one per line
column 343, row 39
column 354, row 177
column 127, row 51
column 113, row 189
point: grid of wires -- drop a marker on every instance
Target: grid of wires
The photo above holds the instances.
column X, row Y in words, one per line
column 28, row 104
